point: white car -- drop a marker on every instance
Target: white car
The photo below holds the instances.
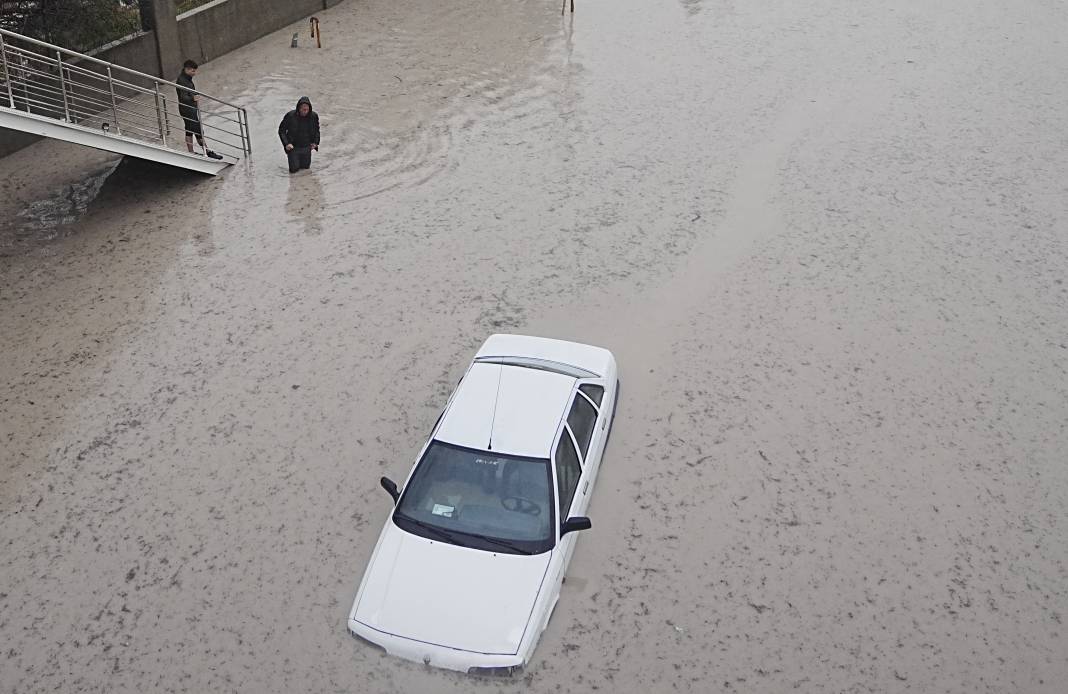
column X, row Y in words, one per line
column 468, row 567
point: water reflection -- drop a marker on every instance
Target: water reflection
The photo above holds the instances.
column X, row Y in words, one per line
column 719, row 8
column 692, row 7
column 304, row 202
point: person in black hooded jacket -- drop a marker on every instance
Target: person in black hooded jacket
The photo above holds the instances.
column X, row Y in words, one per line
column 299, row 133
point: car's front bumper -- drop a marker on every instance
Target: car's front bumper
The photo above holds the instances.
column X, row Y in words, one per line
column 483, row 664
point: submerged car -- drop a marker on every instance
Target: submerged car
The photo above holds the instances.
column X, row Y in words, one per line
column 468, row 567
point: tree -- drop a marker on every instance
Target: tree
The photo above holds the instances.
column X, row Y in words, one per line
column 75, row 24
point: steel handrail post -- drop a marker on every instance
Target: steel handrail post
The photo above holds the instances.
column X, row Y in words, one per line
column 63, row 87
column 248, row 134
column 114, row 104
column 25, row 87
column 241, row 130
column 7, row 73
column 159, row 117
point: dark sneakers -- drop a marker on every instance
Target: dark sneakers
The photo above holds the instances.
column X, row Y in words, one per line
column 214, row 155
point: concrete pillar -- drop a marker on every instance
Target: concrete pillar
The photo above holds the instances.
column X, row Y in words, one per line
column 164, row 21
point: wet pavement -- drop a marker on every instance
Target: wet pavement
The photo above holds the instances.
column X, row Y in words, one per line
column 826, row 241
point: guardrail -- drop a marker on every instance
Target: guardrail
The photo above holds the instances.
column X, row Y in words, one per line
column 51, row 81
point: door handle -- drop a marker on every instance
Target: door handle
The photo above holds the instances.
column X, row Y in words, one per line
column 585, row 487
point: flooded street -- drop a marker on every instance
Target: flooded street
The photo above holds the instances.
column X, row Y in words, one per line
column 826, row 241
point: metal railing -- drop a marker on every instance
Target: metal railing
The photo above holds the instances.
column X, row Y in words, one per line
column 50, row 81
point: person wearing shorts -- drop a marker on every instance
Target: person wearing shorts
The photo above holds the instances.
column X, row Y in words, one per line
column 189, row 109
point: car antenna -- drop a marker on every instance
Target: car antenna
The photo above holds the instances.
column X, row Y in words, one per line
column 496, row 397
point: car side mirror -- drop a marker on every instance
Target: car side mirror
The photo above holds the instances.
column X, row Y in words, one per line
column 391, row 487
column 573, row 524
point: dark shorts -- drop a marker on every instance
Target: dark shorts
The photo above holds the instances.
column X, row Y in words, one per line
column 191, row 117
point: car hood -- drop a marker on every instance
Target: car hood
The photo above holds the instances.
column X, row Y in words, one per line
column 449, row 596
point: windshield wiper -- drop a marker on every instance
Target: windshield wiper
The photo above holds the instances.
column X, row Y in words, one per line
column 500, row 543
column 441, row 532
column 450, row 538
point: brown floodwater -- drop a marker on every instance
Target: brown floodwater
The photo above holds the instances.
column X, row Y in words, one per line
column 827, row 241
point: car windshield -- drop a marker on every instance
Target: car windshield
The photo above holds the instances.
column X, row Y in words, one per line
column 480, row 499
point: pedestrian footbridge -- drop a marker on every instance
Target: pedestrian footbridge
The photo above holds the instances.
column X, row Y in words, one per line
column 49, row 91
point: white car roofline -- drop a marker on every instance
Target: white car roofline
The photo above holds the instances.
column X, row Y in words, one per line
column 594, row 359
column 542, row 364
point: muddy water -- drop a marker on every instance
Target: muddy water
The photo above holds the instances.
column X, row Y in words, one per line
column 825, row 240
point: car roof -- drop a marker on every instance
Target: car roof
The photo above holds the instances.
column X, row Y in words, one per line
column 510, row 409
column 587, row 357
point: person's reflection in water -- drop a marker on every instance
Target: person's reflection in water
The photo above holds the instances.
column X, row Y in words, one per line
column 304, row 202
column 204, row 241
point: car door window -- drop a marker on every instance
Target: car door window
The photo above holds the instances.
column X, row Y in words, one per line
column 593, row 392
column 568, row 472
column 581, row 419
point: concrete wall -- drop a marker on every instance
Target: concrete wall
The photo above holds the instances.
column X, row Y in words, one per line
column 203, row 34
column 217, row 28
column 137, row 52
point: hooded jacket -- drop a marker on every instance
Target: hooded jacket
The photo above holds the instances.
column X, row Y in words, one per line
column 298, row 130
